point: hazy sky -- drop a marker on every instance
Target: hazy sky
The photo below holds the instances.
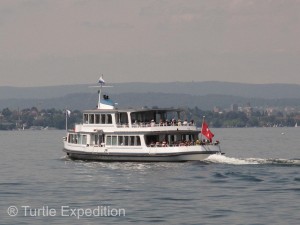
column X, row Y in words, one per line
column 48, row 42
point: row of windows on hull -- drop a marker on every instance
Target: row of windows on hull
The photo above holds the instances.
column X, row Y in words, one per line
column 123, row 140
column 130, row 140
column 110, row 140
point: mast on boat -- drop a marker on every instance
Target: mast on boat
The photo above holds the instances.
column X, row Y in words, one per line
column 107, row 104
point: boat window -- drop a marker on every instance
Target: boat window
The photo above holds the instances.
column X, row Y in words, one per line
column 151, row 139
column 131, row 140
column 177, row 137
column 142, row 116
column 108, row 140
column 191, row 137
column 138, row 140
column 103, row 118
column 122, row 118
column 85, row 118
column 84, row 139
column 96, row 139
column 114, row 140
column 97, row 118
column 126, row 140
column 70, row 138
column 195, row 137
column 120, row 140
column 91, row 118
column 78, row 139
column 171, row 139
column 117, row 118
column 74, row 139
column 109, row 119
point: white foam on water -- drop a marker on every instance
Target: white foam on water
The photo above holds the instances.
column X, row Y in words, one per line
column 229, row 160
column 247, row 161
column 216, row 158
column 284, row 161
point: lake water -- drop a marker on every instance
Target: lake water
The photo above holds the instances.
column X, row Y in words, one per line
column 256, row 182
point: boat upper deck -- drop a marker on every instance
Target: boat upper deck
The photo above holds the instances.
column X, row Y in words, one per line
column 158, row 119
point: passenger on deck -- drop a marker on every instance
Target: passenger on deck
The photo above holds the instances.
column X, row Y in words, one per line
column 164, row 143
column 179, row 122
column 185, row 123
column 173, row 122
column 182, row 143
column 152, row 124
column 161, row 123
column 167, row 123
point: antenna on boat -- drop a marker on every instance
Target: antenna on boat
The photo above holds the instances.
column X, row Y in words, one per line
column 101, row 85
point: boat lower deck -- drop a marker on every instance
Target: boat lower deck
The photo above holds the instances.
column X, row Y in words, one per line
column 141, row 157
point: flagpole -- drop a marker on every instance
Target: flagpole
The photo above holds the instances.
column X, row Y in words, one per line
column 66, row 120
column 99, row 96
column 202, row 127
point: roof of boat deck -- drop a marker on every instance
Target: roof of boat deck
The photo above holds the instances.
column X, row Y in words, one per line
column 133, row 110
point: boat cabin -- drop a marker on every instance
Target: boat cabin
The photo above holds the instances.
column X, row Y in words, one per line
column 135, row 118
column 159, row 127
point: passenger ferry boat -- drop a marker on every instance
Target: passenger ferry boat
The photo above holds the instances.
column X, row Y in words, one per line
column 111, row 134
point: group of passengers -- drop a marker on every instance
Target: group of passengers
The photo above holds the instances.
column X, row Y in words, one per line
column 205, row 142
column 165, row 143
column 173, row 122
column 166, row 122
column 174, row 144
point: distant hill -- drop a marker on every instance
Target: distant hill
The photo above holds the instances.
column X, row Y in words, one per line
column 87, row 101
column 205, row 95
column 266, row 91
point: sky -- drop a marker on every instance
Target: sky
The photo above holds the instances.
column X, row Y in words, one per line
column 58, row 42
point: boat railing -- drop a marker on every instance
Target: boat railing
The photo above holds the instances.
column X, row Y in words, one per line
column 182, row 144
column 143, row 125
column 125, row 125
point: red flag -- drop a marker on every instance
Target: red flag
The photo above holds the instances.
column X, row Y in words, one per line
column 206, row 131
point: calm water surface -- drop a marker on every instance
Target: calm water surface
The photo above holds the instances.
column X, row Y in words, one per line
column 257, row 182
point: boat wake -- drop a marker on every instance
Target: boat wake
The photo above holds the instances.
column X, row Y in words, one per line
column 222, row 159
column 216, row 158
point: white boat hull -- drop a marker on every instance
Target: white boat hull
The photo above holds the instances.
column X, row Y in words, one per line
column 164, row 154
